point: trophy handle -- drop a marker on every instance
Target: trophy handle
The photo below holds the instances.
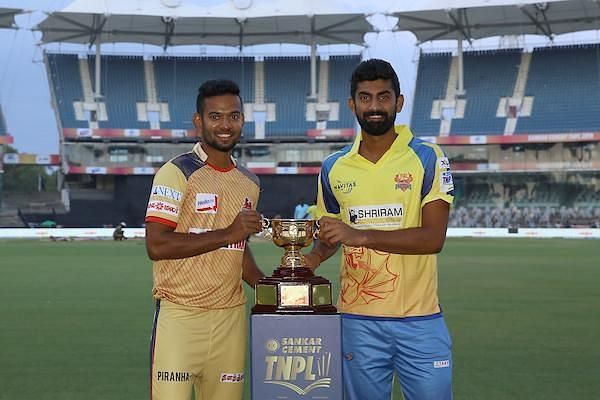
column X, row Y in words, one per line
column 266, row 224
column 317, row 229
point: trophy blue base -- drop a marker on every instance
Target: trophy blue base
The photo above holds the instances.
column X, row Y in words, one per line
column 296, row 357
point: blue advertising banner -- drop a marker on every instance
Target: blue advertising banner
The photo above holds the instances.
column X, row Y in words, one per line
column 296, row 357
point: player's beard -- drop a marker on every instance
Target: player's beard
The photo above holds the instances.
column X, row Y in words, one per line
column 376, row 128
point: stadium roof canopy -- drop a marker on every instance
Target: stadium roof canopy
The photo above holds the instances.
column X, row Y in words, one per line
column 476, row 19
column 7, row 17
column 230, row 23
column 207, row 22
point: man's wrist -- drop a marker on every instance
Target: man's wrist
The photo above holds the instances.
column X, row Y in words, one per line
column 225, row 236
column 319, row 257
column 364, row 238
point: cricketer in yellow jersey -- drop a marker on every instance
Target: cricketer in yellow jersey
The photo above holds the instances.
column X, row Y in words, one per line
column 385, row 199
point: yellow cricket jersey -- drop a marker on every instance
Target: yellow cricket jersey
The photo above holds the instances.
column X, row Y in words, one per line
column 192, row 196
column 387, row 195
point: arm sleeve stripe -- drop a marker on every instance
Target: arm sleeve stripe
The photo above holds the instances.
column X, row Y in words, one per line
column 250, row 175
column 331, row 204
column 427, row 157
column 188, row 163
column 329, row 199
column 162, row 221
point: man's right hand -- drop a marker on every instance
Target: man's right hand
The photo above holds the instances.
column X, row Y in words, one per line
column 246, row 223
column 312, row 260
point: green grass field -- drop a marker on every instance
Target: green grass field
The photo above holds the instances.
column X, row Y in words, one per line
column 524, row 316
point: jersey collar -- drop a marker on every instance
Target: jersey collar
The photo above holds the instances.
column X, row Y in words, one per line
column 204, row 157
column 400, row 143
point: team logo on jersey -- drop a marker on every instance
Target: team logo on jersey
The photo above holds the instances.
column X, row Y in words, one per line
column 380, row 216
column 163, row 207
column 207, row 203
column 165, row 191
column 344, row 186
column 403, row 181
column 247, row 204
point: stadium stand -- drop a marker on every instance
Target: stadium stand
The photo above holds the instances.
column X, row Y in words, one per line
column 22, row 209
column 341, row 68
column 524, row 217
column 121, row 154
column 122, row 88
column 124, row 200
column 178, row 79
column 285, row 75
column 490, row 173
column 489, row 76
column 175, row 83
column 66, row 84
column 134, row 87
column 565, row 83
column 564, row 79
column 432, row 79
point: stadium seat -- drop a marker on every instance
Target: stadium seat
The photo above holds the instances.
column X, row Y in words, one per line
column 564, row 82
column 66, row 83
column 178, row 79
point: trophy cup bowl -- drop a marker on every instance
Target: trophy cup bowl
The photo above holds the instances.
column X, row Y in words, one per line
column 293, row 235
column 293, row 287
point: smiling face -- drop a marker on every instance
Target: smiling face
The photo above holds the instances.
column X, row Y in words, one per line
column 221, row 122
column 376, row 105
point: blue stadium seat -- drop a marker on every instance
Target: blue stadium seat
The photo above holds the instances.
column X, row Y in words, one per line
column 178, row 79
column 566, row 84
column 489, row 75
column 122, row 87
column 64, row 73
column 340, row 72
column 287, row 84
column 432, row 80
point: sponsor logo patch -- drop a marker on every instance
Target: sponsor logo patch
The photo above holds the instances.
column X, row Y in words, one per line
column 163, row 207
column 344, row 187
column 446, row 183
column 171, row 376
column 441, row 364
column 403, row 181
column 165, row 191
column 236, row 377
column 383, row 215
column 443, row 163
column 207, row 203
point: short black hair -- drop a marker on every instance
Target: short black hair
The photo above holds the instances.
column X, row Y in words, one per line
column 371, row 70
column 216, row 87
